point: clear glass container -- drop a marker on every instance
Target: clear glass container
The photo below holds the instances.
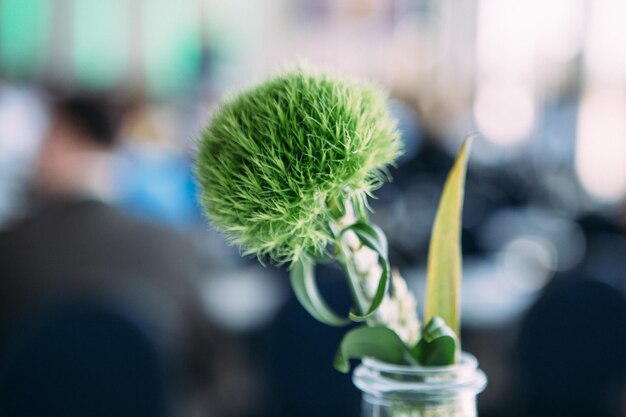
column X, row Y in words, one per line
column 416, row 391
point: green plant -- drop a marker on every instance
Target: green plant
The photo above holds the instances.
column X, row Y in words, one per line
column 285, row 170
column 275, row 158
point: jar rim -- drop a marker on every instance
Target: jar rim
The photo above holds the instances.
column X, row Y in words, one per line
column 468, row 362
column 379, row 379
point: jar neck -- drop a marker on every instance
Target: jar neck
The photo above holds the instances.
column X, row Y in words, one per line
column 381, row 381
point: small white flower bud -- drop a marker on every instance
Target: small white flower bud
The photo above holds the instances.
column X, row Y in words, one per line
column 364, row 259
column 352, row 240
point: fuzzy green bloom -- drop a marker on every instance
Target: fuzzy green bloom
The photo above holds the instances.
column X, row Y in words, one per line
column 272, row 158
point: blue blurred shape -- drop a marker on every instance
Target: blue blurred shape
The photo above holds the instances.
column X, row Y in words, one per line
column 157, row 186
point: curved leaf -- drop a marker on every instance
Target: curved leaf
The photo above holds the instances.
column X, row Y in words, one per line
column 444, row 255
column 438, row 345
column 302, row 277
column 376, row 342
column 373, row 237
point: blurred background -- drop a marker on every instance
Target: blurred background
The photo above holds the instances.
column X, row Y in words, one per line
column 543, row 82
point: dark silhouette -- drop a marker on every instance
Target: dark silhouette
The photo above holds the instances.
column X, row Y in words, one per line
column 572, row 352
column 96, row 305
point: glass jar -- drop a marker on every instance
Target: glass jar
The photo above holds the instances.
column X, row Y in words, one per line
column 419, row 391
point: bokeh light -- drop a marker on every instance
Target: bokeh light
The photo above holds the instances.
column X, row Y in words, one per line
column 601, row 144
column 504, row 112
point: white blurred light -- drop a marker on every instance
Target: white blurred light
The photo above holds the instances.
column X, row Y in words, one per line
column 562, row 235
column 22, row 123
column 528, row 263
column 558, row 27
column 504, row 112
column 601, row 145
column 504, row 40
column 242, row 299
column 605, row 46
column 512, row 33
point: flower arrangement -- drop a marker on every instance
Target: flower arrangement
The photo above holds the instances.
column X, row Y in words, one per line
column 285, row 169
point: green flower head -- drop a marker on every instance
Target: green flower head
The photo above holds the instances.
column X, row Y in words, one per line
column 272, row 158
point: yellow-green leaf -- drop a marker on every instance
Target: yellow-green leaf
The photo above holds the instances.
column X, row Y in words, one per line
column 444, row 255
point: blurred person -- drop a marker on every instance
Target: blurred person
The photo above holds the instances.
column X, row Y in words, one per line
column 99, row 314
